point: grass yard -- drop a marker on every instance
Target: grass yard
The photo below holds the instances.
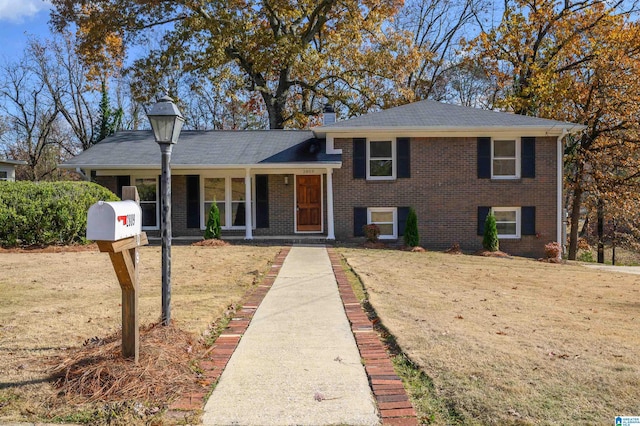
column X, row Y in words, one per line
column 54, row 301
column 510, row 341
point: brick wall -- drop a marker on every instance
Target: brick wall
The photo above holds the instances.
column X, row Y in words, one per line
column 445, row 192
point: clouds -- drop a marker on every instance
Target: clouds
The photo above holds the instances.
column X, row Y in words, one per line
column 18, row 10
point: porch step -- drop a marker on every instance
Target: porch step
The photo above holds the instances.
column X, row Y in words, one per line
column 284, row 240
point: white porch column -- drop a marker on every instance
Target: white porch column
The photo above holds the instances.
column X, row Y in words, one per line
column 247, row 205
column 330, row 228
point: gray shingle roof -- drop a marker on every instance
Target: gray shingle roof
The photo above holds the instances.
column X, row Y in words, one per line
column 437, row 115
column 138, row 149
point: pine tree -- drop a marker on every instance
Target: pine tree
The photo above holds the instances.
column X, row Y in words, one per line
column 490, row 240
column 411, row 235
column 213, row 223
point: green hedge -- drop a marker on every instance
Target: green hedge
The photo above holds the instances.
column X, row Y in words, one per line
column 47, row 213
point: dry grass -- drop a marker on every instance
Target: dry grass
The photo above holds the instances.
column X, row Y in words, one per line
column 511, row 341
column 52, row 302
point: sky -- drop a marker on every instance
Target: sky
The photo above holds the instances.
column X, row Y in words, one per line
column 18, row 20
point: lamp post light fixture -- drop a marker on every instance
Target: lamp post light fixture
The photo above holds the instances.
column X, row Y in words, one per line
column 166, row 122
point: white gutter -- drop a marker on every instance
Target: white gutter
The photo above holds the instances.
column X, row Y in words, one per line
column 539, row 130
column 287, row 166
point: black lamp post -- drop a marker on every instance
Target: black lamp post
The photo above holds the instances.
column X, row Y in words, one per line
column 166, row 122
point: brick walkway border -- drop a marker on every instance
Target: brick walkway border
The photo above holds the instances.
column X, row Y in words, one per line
column 391, row 397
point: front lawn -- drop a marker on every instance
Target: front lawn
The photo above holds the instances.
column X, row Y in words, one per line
column 510, row 341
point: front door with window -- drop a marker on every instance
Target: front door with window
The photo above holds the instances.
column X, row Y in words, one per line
column 309, row 203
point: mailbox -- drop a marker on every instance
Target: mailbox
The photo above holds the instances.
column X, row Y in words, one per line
column 113, row 221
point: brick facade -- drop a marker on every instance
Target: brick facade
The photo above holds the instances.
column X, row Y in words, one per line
column 445, row 192
column 443, row 189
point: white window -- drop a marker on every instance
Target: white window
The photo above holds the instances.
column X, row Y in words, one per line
column 148, row 192
column 505, row 158
column 229, row 194
column 4, row 175
column 507, row 221
column 381, row 157
column 387, row 220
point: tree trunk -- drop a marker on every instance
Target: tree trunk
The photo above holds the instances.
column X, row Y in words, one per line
column 575, row 219
column 600, row 231
column 275, row 109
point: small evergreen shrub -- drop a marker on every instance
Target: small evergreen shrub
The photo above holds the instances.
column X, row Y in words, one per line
column 213, row 223
column 411, row 235
column 490, row 239
column 553, row 250
column 47, row 213
column 371, row 232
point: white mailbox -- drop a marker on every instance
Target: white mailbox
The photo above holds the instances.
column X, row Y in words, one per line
column 113, row 221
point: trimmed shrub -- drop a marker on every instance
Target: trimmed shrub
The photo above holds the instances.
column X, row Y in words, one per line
column 371, row 232
column 213, row 223
column 490, row 239
column 411, row 235
column 47, row 213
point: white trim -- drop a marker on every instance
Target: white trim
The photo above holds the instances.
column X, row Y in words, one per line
column 394, row 159
column 295, row 205
column 178, row 169
column 330, row 218
column 560, row 238
column 394, row 210
column 330, row 146
column 449, row 131
column 518, row 158
column 518, row 211
column 248, row 209
column 132, row 179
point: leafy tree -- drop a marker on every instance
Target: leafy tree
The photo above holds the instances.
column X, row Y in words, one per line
column 577, row 62
column 213, row 223
column 490, row 238
column 294, row 54
column 411, row 235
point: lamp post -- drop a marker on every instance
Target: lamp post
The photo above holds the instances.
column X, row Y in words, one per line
column 166, row 122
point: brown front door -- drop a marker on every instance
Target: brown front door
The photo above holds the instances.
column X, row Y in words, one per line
column 309, row 203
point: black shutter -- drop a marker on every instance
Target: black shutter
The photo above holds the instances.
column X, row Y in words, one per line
column 529, row 220
column 484, row 158
column 483, row 212
column 359, row 158
column 528, row 165
column 193, row 201
column 120, row 182
column 359, row 220
column 403, row 150
column 262, row 201
column 403, row 212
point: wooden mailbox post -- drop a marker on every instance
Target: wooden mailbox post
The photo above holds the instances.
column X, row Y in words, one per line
column 116, row 228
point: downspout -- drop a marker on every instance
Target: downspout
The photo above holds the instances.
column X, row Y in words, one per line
column 560, row 237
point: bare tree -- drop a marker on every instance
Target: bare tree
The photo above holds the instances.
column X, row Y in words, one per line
column 436, row 27
column 63, row 74
column 32, row 119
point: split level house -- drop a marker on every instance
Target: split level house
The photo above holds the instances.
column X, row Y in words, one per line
column 452, row 164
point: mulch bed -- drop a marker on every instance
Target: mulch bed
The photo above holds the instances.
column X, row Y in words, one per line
column 98, row 372
column 211, row 243
column 487, row 253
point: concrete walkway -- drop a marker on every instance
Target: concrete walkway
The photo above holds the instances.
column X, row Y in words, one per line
column 297, row 363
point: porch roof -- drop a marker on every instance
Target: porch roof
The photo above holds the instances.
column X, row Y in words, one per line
column 207, row 149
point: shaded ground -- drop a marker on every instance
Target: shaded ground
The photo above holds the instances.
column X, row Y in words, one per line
column 511, row 341
column 55, row 300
